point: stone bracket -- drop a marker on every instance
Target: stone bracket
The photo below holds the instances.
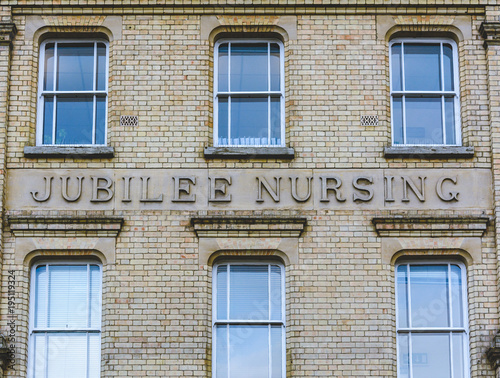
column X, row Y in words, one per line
column 493, row 354
column 490, row 31
column 7, row 32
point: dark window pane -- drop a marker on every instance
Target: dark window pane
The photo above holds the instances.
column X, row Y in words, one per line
column 223, row 122
column 74, row 120
column 249, row 67
column 100, row 121
column 48, row 78
column 48, row 114
column 275, row 67
column 396, row 67
column 423, row 121
column 402, row 300
column 75, row 67
column 422, row 67
column 101, row 67
column 397, row 120
column 449, row 107
column 275, row 121
column 448, row 68
column 223, row 68
column 249, row 121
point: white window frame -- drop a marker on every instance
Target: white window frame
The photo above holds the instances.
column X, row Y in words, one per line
column 267, row 94
column 32, row 330
column 455, row 93
column 216, row 322
column 42, row 93
column 429, row 330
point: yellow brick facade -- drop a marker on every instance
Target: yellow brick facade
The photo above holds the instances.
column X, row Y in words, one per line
column 157, row 265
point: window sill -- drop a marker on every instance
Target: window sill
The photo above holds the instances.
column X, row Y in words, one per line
column 249, row 153
column 431, row 152
column 80, row 152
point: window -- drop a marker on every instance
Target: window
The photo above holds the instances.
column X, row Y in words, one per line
column 424, row 93
column 249, row 93
column 432, row 320
column 249, row 321
column 73, row 87
column 65, row 321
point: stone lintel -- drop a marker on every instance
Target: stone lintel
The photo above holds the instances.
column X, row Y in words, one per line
column 249, row 153
column 39, row 225
column 431, row 227
column 248, row 227
column 77, row 152
column 429, row 152
column 490, row 31
column 7, row 32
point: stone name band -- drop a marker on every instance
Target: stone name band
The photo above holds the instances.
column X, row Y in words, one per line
column 247, row 189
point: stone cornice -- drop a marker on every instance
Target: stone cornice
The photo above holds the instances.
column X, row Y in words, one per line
column 7, row 32
column 431, row 226
column 490, row 31
column 248, row 227
column 62, row 226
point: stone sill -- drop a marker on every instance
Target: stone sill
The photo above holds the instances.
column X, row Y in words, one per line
column 249, row 153
column 78, row 152
column 431, row 152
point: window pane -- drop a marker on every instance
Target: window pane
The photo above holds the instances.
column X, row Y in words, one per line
column 221, row 352
column 100, row 120
column 249, row 67
column 275, row 121
column 249, row 121
column 38, row 364
column 276, row 290
column 396, row 67
column 423, row 121
column 448, row 68
column 68, row 297
column 101, row 67
column 41, row 297
column 249, row 295
column 94, row 359
column 249, row 351
column 422, row 67
column 48, row 78
column 431, row 355
column 429, row 296
column 95, row 297
column 48, row 114
column 221, row 292
column 275, row 67
column 223, row 122
column 397, row 120
column 75, row 67
column 67, row 355
column 223, row 68
column 276, row 351
column 458, row 355
column 402, row 301
column 74, row 120
column 456, row 296
column 404, row 356
column 449, row 106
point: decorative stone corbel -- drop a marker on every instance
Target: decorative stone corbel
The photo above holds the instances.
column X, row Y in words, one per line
column 4, row 352
column 7, row 32
column 493, row 354
column 490, row 31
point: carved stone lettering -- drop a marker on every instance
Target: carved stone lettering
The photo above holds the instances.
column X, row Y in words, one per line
column 218, row 188
column 408, row 183
column 145, row 192
column 48, row 191
column 64, row 188
column 182, row 189
column 325, row 188
column 451, row 196
column 295, row 196
column 126, row 189
column 97, row 188
column 366, row 192
column 274, row 193
column 388, row 190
